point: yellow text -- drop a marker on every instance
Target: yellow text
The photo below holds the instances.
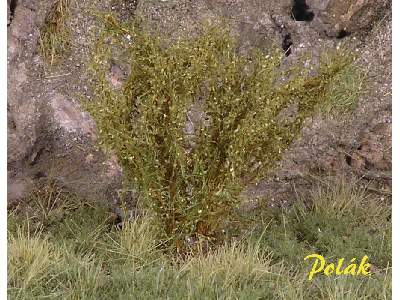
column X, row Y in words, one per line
column 320, row 266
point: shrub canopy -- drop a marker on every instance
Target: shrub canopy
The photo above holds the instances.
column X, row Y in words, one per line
column 195, row 121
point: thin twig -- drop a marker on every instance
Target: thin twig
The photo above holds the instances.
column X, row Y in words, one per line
column 56, row 76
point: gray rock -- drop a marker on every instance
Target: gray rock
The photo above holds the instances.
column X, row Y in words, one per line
column 48, row 131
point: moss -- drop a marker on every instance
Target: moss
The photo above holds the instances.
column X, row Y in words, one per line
column 191, row 179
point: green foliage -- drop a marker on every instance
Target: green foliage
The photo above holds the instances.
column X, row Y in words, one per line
column 195, row 121
column 54, row 40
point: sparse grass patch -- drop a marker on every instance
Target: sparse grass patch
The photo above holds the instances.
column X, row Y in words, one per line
column 50, row 201
column 54, row 40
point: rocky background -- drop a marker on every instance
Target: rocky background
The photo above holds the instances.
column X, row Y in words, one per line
column 49, row 134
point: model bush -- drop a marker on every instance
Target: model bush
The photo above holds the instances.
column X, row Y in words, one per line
column 195, row 121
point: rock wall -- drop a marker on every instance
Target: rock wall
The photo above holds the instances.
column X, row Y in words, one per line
column 49, row 134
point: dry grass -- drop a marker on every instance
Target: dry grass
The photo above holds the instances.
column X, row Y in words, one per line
column 54, row 41
column 136, row 245
column 30, row 260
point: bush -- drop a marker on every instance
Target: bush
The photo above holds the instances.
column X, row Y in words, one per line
column 195, row 122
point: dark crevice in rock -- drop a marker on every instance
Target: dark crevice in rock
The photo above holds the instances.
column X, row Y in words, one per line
column 13, row 6
column 348, row 160
column 39, row 174
column 301, row 11
column 126, row 8
column 35, row 156
column 368, row 165
column 11, row 124
column 342, row 34
column 287, row 44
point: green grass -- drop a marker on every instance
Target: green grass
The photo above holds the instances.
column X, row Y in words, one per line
column 80, row 256
column 344, row 91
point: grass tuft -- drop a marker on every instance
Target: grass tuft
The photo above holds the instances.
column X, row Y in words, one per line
column 54, row 40
column 344, row 91
column 30, row 261
column 136, row 245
